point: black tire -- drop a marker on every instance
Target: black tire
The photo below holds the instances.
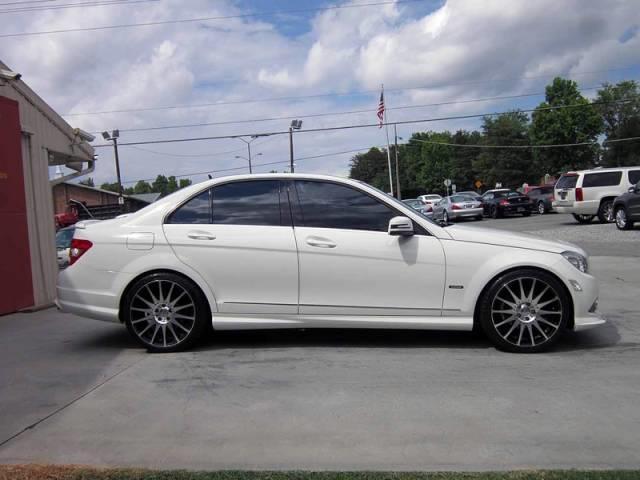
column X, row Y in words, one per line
column 541, row 208
column 495, row 212
column 622, row 219
column 605, row 212
column 529, row 331
column 149, row 312
column 583, row 219
column 445, row 216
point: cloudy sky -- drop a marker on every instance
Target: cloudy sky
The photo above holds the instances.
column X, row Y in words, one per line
column 291, row 59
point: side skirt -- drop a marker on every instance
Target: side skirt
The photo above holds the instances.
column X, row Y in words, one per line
column 222, row 321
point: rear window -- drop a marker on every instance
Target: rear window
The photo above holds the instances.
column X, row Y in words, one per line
column 603, row 179
column 567, row 181
column 634, row 176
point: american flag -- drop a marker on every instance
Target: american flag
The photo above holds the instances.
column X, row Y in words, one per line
column 381, row 109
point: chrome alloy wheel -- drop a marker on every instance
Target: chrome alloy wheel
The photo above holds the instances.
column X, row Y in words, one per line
column 162, row 313
column 621, row 219
column 526, row 312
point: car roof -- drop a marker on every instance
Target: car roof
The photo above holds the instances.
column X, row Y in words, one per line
column 601, row 169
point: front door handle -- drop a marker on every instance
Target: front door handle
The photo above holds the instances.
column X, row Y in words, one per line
column 320, row 242
column 200, row 235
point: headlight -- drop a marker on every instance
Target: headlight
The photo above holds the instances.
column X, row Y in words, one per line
column 577, row 260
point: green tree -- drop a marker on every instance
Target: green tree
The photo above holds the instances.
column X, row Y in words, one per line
column 142, row 187
column 371, row 167
column 579, row 122
column 511, row 167
column 112, row 187
column 88, row 182
column 161, row 185
column 184, row 182
column 172, row 184
column 620, row 110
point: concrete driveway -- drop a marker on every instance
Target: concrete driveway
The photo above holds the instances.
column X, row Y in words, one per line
column 79, row 391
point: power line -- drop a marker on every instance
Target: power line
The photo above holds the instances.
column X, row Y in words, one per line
column 334, row 94
column 26, row 1
column 556, row 145
column 365, row 125
column 94, row 3
column 280, row 162
column 215, row 154
column 207, row 19
column 342, row 112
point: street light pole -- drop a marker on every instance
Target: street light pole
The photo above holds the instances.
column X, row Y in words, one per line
column 395, row 133
column 249, row 150
column 295, row 125
column 113, row 137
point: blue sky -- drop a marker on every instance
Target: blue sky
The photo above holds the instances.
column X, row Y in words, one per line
column 456, row 49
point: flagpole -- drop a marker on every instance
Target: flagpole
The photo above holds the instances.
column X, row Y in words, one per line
column 386, row 125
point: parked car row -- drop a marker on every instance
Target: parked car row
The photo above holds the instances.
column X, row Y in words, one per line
column 611, row 194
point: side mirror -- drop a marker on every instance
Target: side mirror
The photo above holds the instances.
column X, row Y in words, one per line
column 401, row 226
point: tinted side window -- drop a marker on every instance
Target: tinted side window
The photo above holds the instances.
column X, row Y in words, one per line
column 634, row 176
column 247, row 203
column 488, row 196
column 545, row 190
column 604, row 179
column 534, row 192
column 196, row 210
column 328, row 205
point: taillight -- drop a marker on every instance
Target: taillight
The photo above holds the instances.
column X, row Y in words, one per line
column 504, row 202
column 455, row 207
column 78, row 248
column 579, row 196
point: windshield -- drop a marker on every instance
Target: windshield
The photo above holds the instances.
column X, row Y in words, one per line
column 63, row 238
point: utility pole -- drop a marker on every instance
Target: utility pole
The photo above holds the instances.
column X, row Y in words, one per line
column 395, row 133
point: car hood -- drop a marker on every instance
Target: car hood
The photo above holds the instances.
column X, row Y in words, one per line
column 509, row 239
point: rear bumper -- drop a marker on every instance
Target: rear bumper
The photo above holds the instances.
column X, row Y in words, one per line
column 515, row 209
column 466, row 213
column 100, row 302
column 578, row 208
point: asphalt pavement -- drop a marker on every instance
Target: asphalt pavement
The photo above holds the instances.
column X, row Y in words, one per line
column 79, row 391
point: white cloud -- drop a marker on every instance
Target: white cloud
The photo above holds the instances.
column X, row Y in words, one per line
column 463, row 49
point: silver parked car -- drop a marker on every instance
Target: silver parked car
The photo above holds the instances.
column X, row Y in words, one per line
column 456, row 207
column 418, row 205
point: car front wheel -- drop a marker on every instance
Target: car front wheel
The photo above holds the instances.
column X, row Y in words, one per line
column 541, row 209
column 524, row 311
column 165, row 312
column 622, row 219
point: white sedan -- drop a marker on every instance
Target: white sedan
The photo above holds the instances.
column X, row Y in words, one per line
column 311, row 251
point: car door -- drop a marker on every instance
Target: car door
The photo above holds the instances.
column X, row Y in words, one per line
column 350, row 265
column 239, row 237
column 487, row 201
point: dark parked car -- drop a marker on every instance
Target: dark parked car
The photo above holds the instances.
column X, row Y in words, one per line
column 542, row 198
column 498, row 203
column 626, row 208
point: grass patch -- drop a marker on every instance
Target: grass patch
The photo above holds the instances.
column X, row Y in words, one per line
column 54, row 472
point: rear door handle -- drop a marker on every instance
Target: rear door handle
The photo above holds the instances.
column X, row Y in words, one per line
column 200, row 235
column 320, row 242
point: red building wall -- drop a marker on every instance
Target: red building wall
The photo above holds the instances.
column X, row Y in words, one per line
column 16, row 287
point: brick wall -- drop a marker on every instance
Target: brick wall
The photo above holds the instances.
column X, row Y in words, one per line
column 65, row 191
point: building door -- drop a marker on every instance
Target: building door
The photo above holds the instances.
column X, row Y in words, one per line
column 16, row 286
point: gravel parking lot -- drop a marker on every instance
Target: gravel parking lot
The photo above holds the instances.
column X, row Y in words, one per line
column 79, row 391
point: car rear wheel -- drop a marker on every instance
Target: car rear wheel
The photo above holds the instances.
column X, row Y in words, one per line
column 165, row 312
column 622, row 219
column 445, row 217
column 541, row 208
column 584, row 219
column 605, row 212
column 495, row 213
column 524, row 311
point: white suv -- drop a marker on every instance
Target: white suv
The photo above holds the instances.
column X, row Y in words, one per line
column 588, row 193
